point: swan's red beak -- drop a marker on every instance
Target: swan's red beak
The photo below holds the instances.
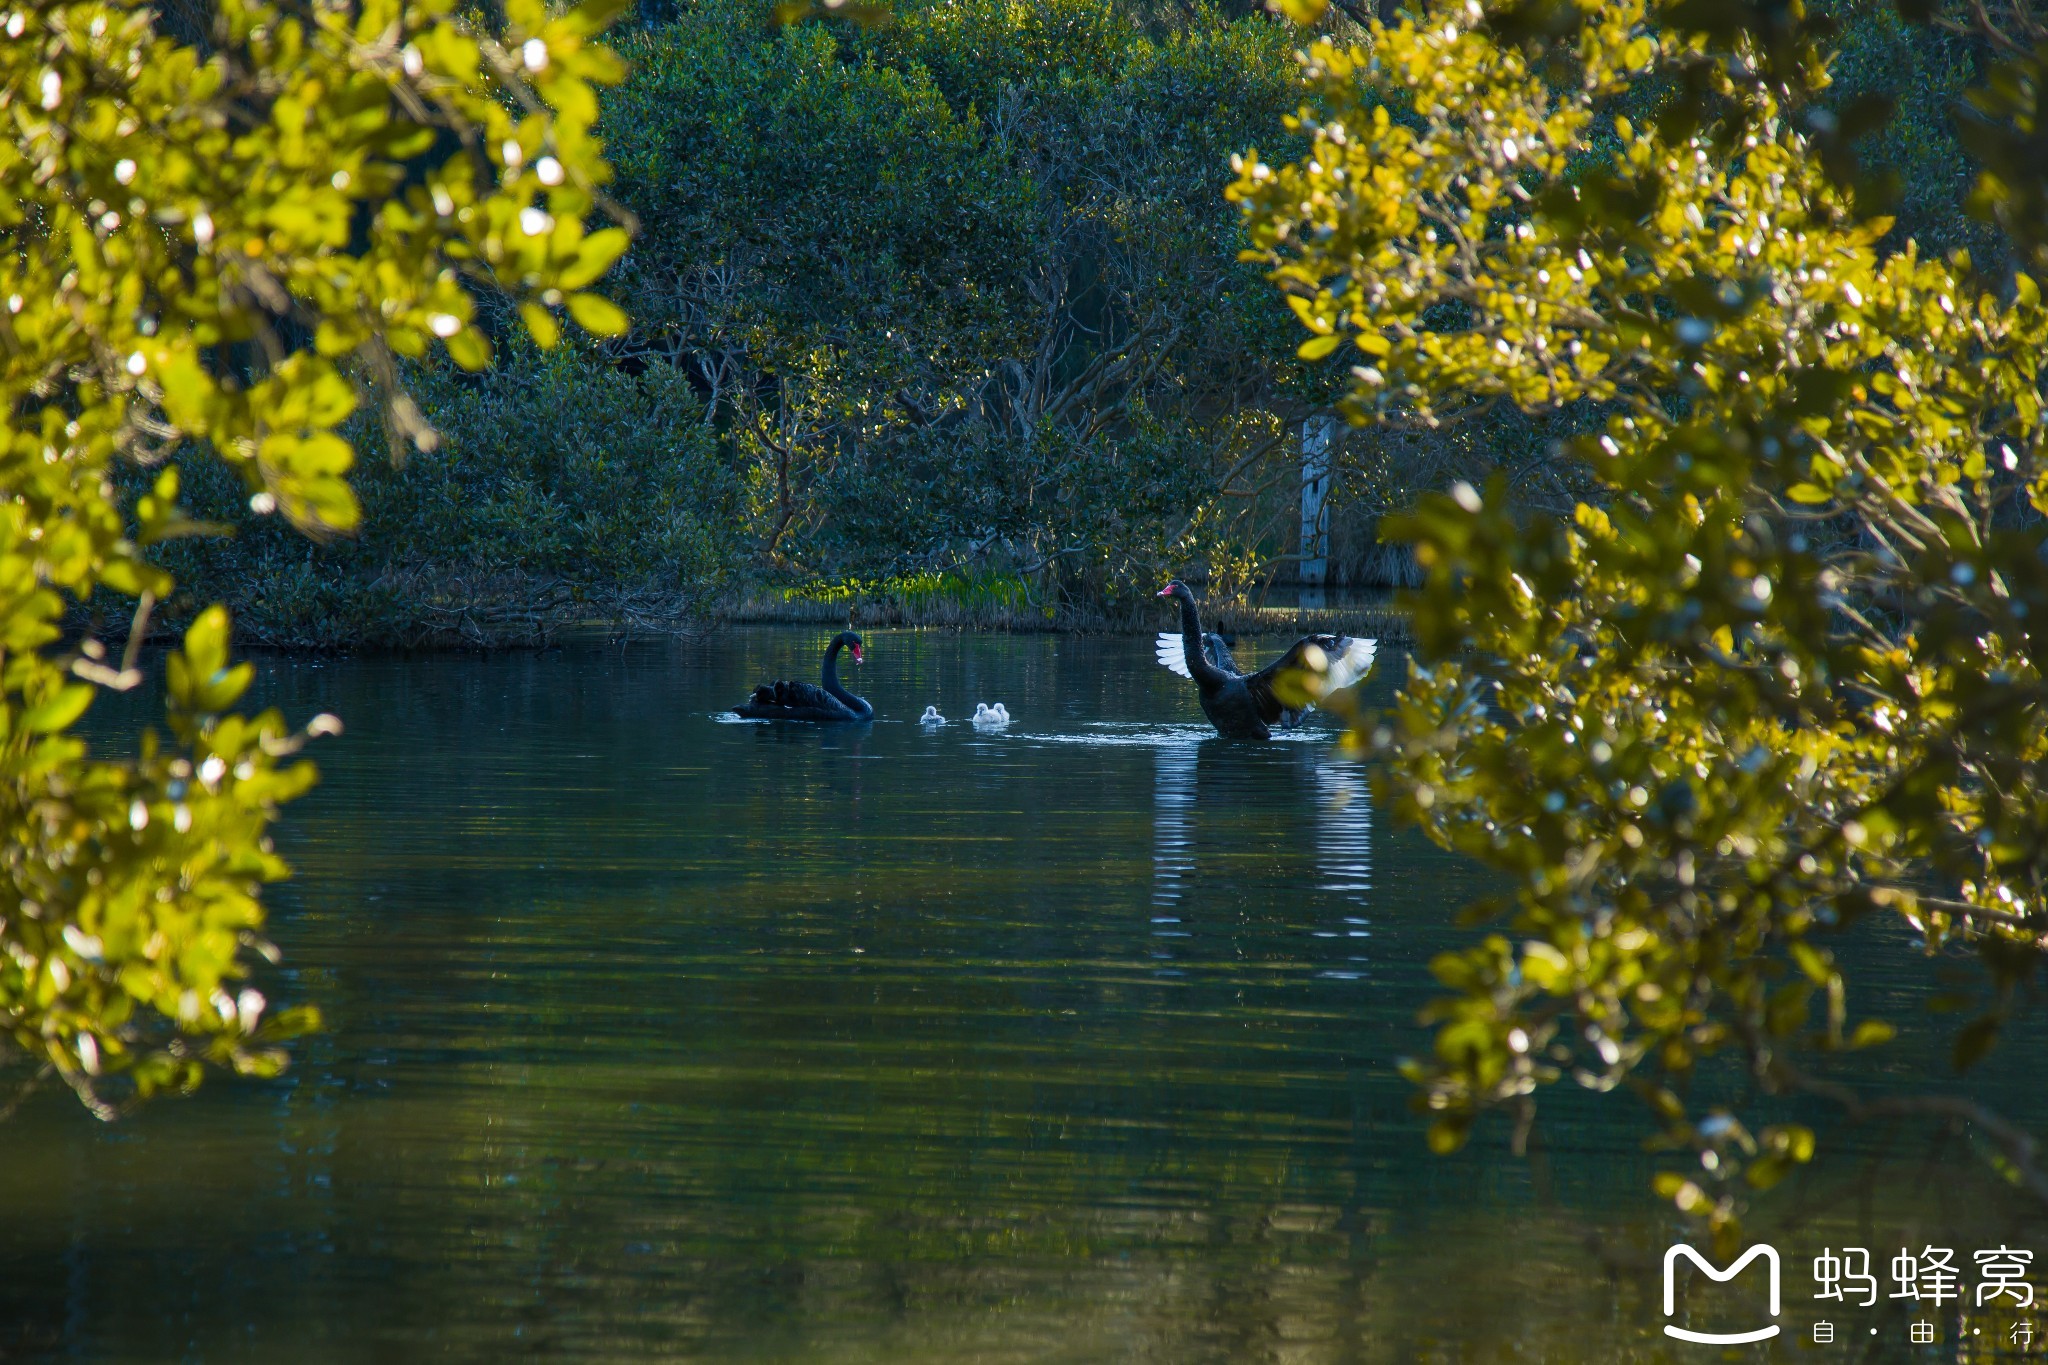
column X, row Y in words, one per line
column 856, row 653
column 1166, row 591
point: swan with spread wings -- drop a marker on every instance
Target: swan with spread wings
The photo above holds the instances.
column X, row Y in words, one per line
column 1248, row 705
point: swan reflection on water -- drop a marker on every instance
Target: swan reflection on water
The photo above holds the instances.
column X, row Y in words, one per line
column 851, row 737
column 1344, row 856
column 1173, row 844
column 1324, row 797
column 1342, row 803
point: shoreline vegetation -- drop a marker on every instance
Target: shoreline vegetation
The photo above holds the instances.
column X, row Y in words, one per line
column 427, row 610
column 951, row 310
column 961, row 292
column 944, row 602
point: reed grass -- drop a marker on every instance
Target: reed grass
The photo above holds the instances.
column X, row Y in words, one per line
column 999, row 602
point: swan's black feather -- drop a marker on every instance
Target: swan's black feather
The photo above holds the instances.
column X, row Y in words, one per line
column 787, row 700
column 1218, row 650
column 1322, row 664
column 1247, row 705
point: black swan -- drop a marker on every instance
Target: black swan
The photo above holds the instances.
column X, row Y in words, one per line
column 1215, row 645
column 1248, row 705
column 809, row 701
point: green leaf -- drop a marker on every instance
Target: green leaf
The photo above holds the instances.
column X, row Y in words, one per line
column 1812, row 961
column 1687, row 1195
column 1448, row 1134
column 596, row 315
column 594, row 16
column 286, row 1024
column 1871, row 1033
column 206, row 643
column 1975, row 1040
column 1316, row 348
column 594, row 256
column 1304, row 12
column 1544, row 966
column 469, row 349
column 1664, row 1101
column 133, row 577
column 541, row 324
column 57, row 711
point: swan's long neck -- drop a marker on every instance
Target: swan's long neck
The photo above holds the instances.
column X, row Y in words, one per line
column 1200, row 666
column 832, row 683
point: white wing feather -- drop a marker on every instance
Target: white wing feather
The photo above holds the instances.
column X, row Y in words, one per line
column 1345, row 668
column 1173, row 653
column 1352, row 664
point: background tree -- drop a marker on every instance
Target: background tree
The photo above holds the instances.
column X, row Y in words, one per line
column 217, row 250
column 561, row 490
column 961, row 304
column 961, row 290
column 1772, row 684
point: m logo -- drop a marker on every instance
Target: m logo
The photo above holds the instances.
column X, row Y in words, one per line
column 1769, row 1254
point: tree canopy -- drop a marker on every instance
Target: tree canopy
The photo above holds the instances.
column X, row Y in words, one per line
column 1774, row 676
column 218, row 249
column 961, row 289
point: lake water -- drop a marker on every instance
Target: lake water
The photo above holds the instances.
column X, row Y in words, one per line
column 656, row 1036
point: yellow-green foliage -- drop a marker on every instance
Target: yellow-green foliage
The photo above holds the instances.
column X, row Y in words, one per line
column 1781, row 668
column 223, row 248
column 931, row 597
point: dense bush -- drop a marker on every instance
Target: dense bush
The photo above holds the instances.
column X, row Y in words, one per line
column 561, row 491
column 963, row 292
column 962, row 289
column 1925, row 73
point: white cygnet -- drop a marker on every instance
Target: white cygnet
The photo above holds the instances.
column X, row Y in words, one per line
column 931, row 716
column 984, row 714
